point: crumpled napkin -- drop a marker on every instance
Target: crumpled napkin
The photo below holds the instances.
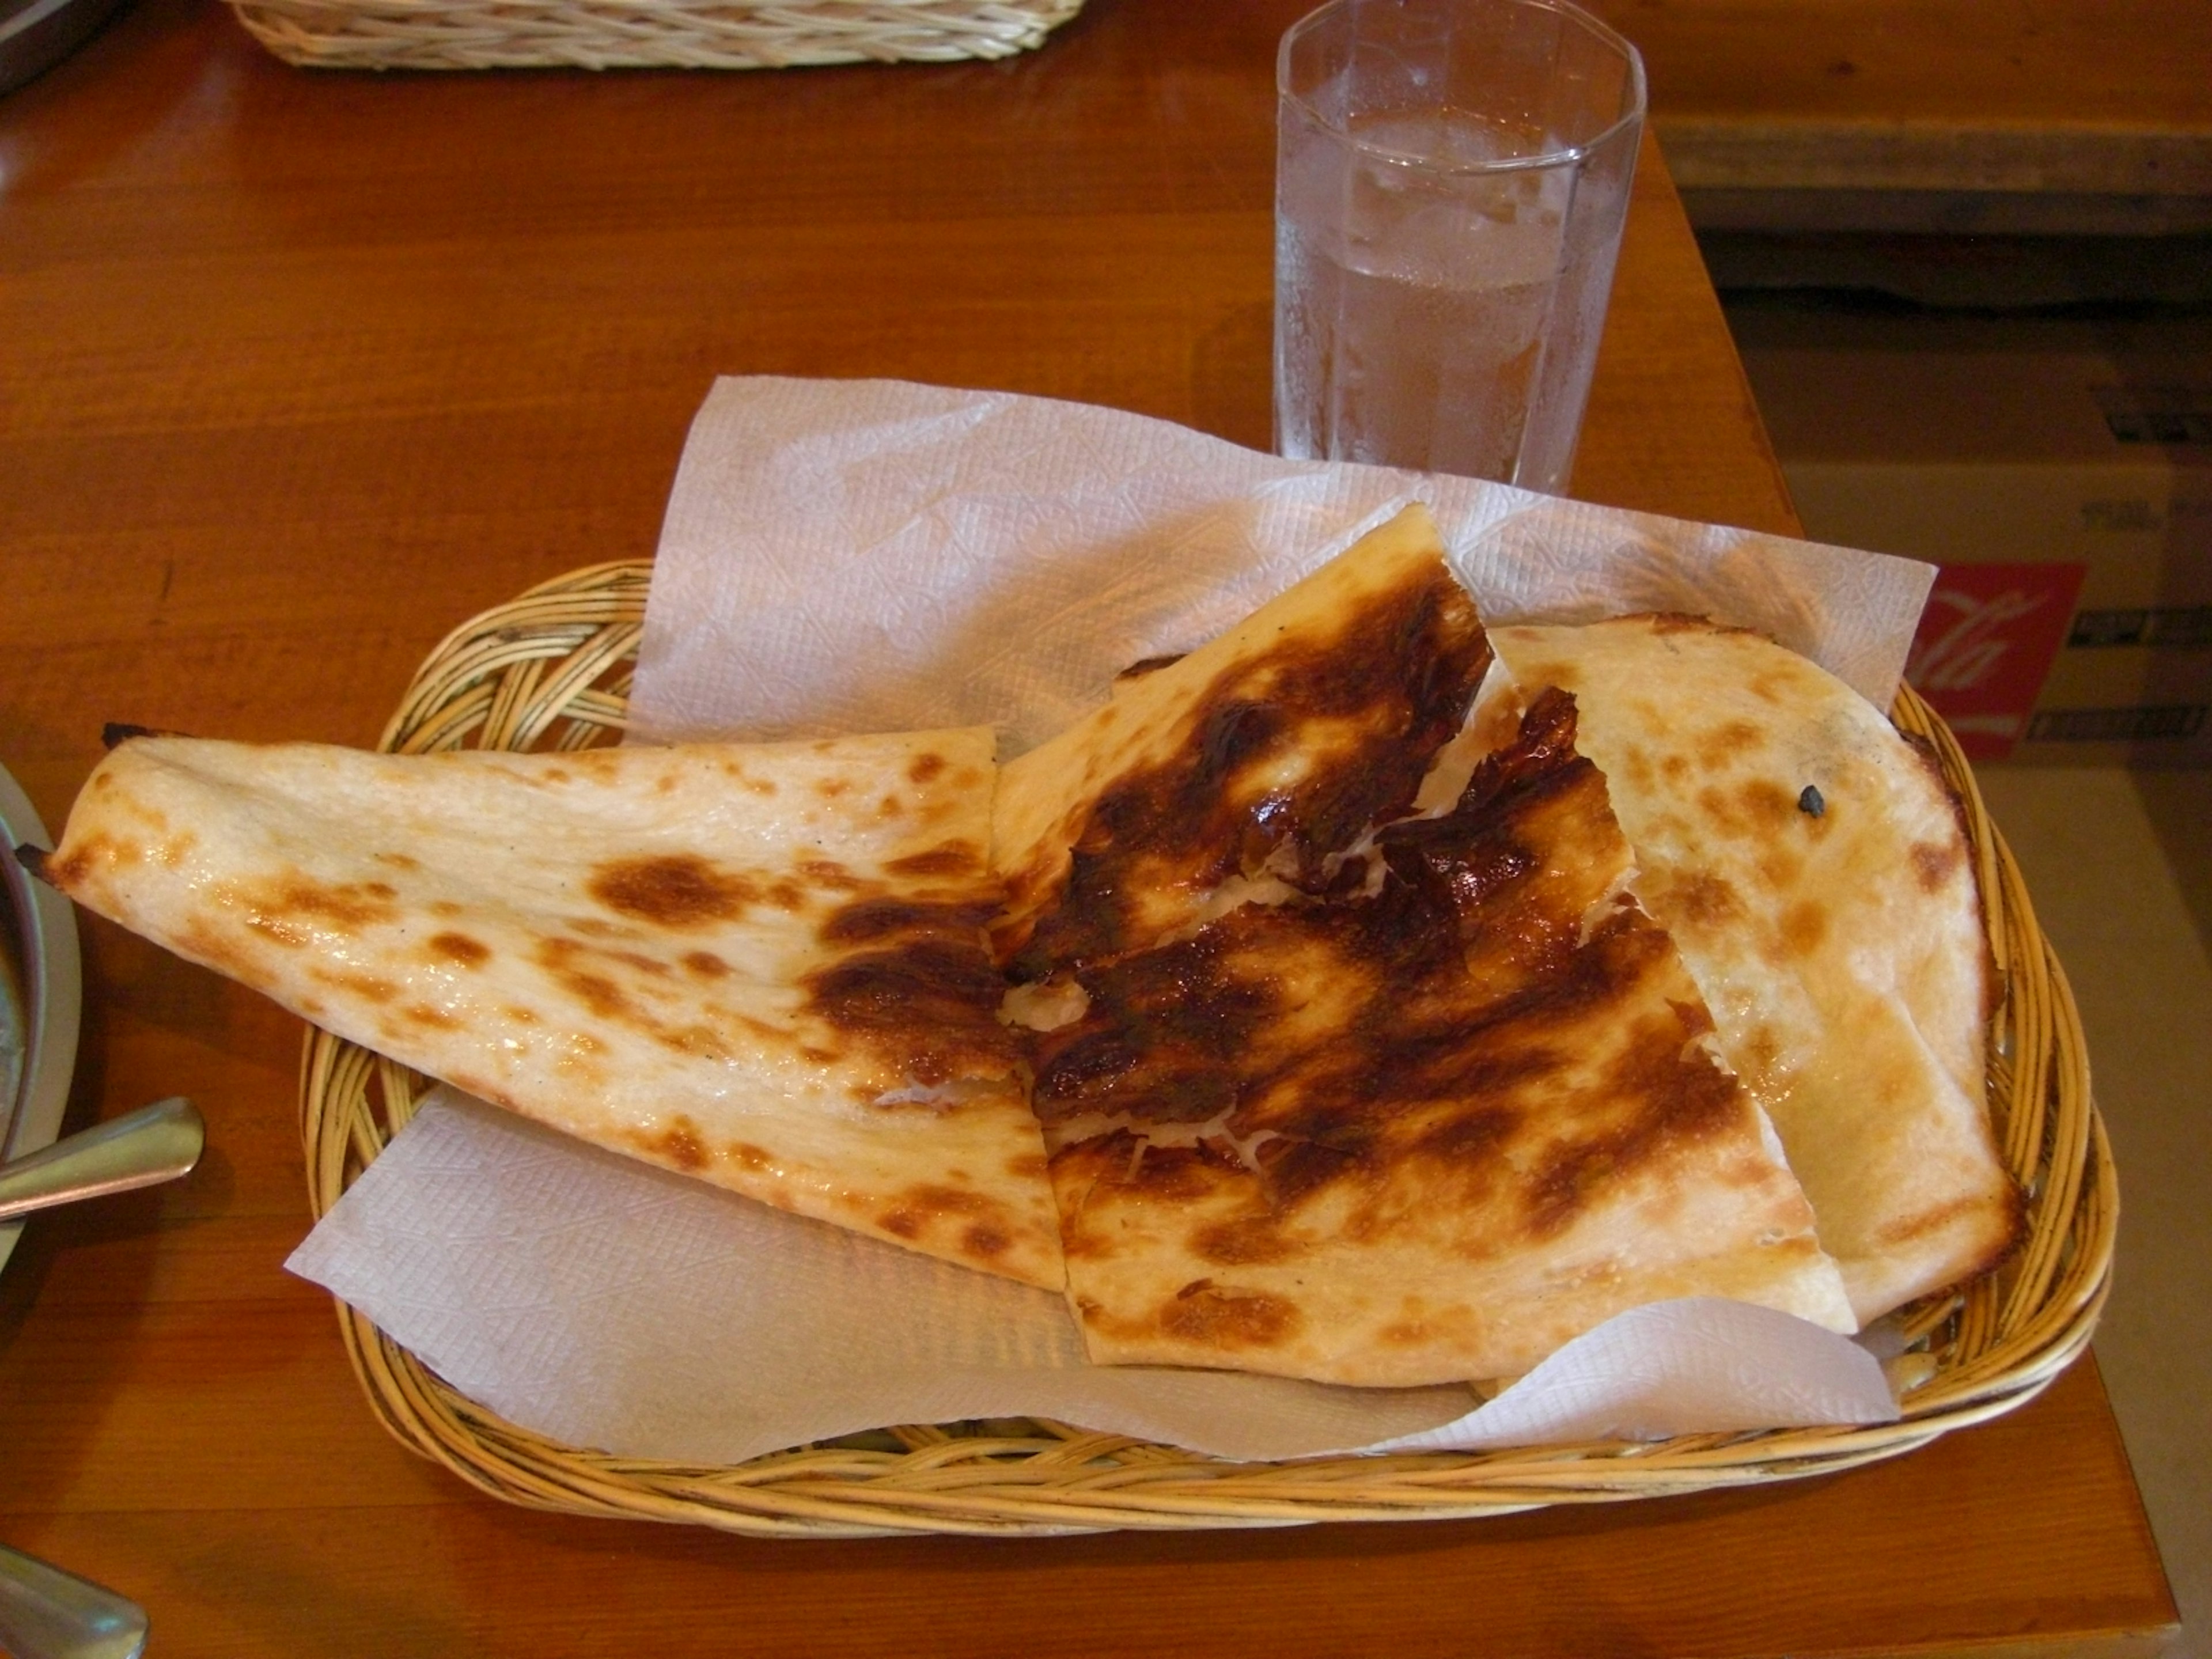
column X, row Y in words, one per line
column 609, row 1303
column 868, row 556
column 859, row 556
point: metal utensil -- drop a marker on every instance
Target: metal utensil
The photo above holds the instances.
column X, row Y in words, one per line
column 143, row 1148
column 45, row 1613
column 48, row 1613
column 39, row 926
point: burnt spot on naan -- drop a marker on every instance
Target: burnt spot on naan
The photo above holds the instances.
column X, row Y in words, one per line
column 460, row 948
column 750, row 782
column 1122, row 1164
column 678, row 1144
column 983, row 1242
column 397, row 860
column 912, row 982
column 1666, row 1099
column 1803, row 926
column 1935, row 864
column 1288, row 755
column 90, row 859
column 1780, row 867
column 1769, row 806
column 368, row 987
column 1700, row 899
column 581, row 971
column 705, row 965
column 641, row 993
column 952, row 858
column 1998, row 1222
column 1242, row 1241
column 673, row 889
column 973, row 1226
column 1476, row 1138
column 924, row 766
column 753, row 1160
column 866, row 921
column 1719, row 747
column 297, row 904
column 1227, row 1319
column 926, row 1007
column 430, row 1016
column 1150, row 1043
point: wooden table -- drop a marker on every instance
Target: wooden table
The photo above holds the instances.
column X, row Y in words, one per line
column 296, row 371
column 2071, row 116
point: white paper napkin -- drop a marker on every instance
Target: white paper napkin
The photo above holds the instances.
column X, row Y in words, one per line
column 608, row 1304
column 858, row 556
column 867, row 556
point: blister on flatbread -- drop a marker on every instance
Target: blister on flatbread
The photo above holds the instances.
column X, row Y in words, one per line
column 763, row 965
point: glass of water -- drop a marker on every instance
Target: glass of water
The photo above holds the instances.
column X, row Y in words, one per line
column 1452, row 176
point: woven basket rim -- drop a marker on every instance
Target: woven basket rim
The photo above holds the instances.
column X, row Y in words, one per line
column 598, row 34
column 551, row 668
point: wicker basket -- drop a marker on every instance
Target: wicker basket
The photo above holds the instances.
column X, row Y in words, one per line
column 718, row 34
column 551, row 671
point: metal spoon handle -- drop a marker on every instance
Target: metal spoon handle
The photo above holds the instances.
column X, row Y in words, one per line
column 143, row 1148
column 48, row 1613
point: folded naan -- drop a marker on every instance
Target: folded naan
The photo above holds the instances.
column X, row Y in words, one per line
column 1813, row 868
column 763, row 965
column 1336, row 1087
column 1426, row 1129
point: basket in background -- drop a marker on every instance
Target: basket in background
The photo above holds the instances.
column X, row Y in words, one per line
column 552, row 670
column 715, row 34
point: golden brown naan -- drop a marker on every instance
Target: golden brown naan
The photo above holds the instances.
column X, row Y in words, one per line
column 763, row 965
column 1814, row 869
column 1423, row 1133
column 1256, row 758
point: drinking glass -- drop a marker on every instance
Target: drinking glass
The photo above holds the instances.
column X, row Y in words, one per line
column 1452, row 176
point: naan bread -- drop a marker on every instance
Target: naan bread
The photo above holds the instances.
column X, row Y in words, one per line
column 1252, row 760
column 1814, row 869
column 765, row 966
column 1422, row 1133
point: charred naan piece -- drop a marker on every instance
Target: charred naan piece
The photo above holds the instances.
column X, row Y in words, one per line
column 1813, row 869
column 763, row 965
column 1249, row 764
column 1422, row 1133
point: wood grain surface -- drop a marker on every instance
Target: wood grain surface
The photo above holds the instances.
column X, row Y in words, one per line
column 297, row 371
column 2101, row 111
